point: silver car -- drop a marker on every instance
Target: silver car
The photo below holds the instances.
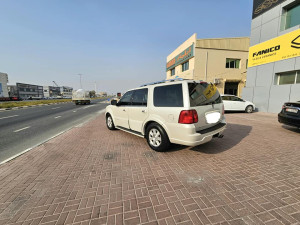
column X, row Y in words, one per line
column 185, row 112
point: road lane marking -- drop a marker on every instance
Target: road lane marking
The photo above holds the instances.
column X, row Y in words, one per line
column 21, row 129
column 47, row 139
column 8, row 117
column 57, row 117
column 74, row 111
column 88, row 106
column 56, row 108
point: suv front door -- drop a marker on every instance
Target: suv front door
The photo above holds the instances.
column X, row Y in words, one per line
column 138, row 112
column 121, row 110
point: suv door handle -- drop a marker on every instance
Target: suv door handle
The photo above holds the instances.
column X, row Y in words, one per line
column 143, row 110
column 124, row 110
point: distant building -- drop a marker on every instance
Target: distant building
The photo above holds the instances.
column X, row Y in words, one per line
column 3, row 85
column 103, row 94
column 51, row 92
column 46, row 91
column 26, row 91
column 66, row 91
column 12, row 91
column 222, row 61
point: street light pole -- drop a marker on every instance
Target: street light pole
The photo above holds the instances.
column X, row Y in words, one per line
column 80, row 80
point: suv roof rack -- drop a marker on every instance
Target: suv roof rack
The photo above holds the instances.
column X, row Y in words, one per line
column 163, row 81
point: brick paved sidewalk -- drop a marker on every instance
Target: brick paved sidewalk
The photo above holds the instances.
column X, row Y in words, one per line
column 91, row 175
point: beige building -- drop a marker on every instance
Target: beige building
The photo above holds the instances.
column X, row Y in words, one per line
column 222, row 61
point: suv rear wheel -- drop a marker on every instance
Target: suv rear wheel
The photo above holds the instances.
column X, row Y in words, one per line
column 157, row 137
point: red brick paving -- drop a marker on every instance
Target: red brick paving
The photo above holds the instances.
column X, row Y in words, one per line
column 91, row 175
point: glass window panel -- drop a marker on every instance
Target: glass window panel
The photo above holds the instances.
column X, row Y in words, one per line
column 126, row 99
column 237, row 64
column 172, row 72
column 298, row 77
column 293, row 16
column 139, row 97
column 287, row 78
column 168, row 96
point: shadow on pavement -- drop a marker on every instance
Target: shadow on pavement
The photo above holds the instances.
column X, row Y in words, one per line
column 233, row 135
column 290, row 128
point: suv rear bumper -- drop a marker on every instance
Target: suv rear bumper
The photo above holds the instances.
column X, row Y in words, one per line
column 200, row 137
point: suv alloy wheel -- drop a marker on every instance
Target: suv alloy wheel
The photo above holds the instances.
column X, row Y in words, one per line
column 110, row 123
column 157, row 137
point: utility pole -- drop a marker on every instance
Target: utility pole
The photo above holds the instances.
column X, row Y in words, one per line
column 80, row 80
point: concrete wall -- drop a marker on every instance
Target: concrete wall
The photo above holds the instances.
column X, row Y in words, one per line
column 260, row 87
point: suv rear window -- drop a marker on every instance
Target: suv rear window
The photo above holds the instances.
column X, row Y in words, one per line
column 168, row 96
column 203, row 94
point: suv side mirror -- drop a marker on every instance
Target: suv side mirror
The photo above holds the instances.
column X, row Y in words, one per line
column 113, row 102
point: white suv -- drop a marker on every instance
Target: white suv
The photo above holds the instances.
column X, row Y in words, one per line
column 178, row 111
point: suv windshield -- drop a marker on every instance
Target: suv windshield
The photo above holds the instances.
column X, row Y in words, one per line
column 203, row 94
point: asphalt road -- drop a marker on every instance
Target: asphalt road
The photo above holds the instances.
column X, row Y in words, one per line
column 25, row 128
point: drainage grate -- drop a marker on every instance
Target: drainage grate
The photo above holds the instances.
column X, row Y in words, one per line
column 109, row 156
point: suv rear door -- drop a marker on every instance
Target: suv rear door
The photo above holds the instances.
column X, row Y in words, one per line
column 137, row 112
column 206, row 100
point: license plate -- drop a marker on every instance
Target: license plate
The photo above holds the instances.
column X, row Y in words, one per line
column 213, row 117
column 291, row 110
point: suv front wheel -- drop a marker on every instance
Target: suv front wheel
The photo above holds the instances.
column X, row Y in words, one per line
column 110, row 123
column 157, row 137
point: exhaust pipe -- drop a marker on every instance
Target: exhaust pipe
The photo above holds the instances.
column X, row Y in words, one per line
column 221, row 136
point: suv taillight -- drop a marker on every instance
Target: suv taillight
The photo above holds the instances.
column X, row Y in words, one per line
column 284, row 106
column 188, row 116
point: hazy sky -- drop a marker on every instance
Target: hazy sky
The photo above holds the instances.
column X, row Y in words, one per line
column 119, row 44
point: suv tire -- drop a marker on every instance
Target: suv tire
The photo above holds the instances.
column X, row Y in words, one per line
column 249, row 109
column 110, row 123
column 157, row 137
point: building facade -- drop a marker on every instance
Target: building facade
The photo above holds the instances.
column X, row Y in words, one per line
column 3, row 85
column 273, row 76
column 29, row 91
column 222, row 61
column 12, row 90
column 66, row 92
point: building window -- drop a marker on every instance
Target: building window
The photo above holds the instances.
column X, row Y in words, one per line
column 290, row 17
column 173, row 72
column 233, row 63
column 185, row 66
column 292, row 77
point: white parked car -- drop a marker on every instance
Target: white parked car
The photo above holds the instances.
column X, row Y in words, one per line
column 234, row 103
column 177, row 111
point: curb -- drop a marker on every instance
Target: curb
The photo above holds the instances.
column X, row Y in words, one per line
column 27, row 106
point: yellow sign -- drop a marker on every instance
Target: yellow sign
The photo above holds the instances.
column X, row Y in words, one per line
column 283, row 47
column 210, row 91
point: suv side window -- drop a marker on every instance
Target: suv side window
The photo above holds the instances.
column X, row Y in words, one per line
column 126, row 99
column 139, row 97
column 168, row 96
